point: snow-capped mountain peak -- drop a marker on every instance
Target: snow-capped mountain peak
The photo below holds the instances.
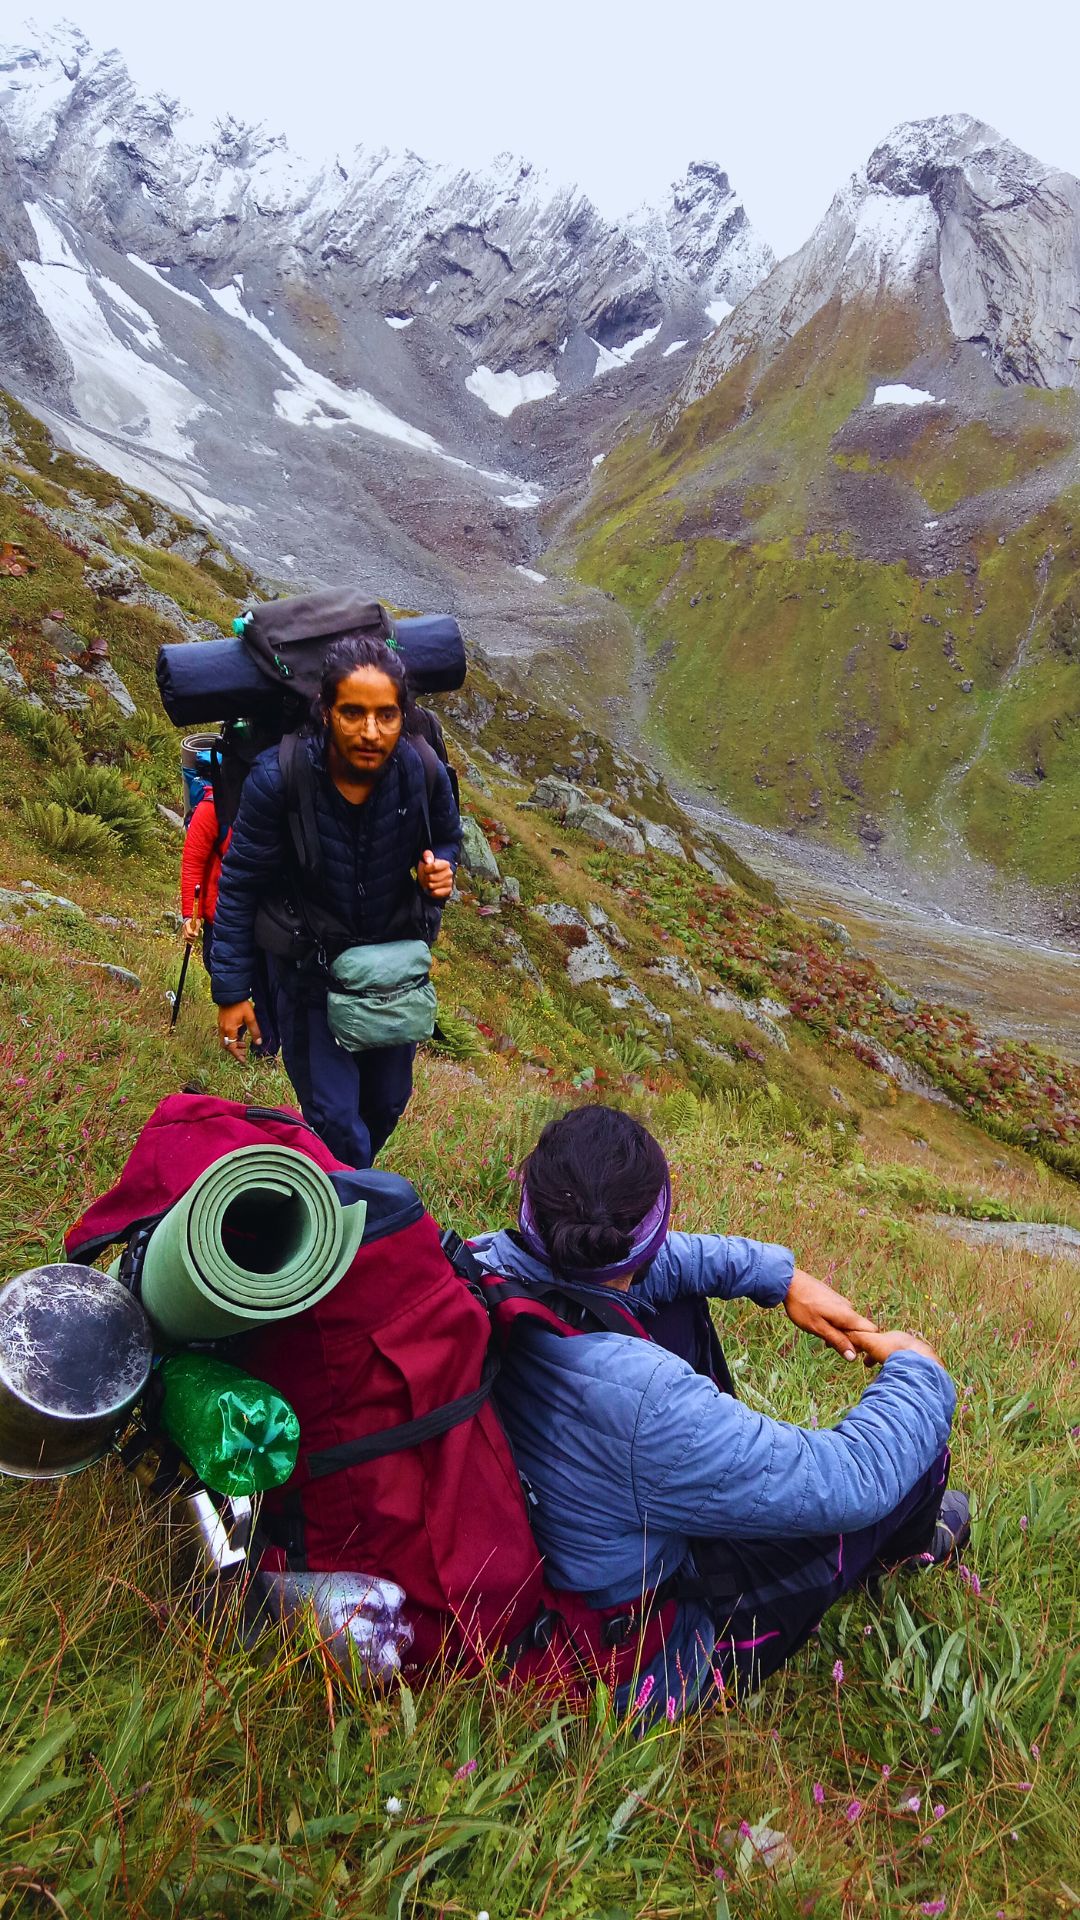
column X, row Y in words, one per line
column 949, row 206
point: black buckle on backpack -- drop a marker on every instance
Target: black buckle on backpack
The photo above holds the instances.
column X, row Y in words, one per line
column 620, row 1627
column 535, row 1637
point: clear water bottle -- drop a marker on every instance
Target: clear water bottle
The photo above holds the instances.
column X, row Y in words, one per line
column 358, row 1615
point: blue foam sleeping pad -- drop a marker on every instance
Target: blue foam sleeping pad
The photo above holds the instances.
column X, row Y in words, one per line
column 219, row 680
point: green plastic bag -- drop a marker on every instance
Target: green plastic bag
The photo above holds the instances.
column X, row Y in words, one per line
column 237, row 1433
column 386, row 996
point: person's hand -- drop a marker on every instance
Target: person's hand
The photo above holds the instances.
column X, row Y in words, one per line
column 876, row 1347
column 232, row 1024
column 817, row 1308
column 191, row 929
column 436, row 877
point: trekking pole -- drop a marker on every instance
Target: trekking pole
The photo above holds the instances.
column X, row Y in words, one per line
column 188, row 944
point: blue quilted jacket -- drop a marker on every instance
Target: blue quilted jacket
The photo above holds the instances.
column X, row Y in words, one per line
column 630, row 1454
column 368, row 853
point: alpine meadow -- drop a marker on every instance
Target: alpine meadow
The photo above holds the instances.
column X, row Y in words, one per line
column 751, row 557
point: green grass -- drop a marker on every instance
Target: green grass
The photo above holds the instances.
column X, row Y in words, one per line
column 151, row 1767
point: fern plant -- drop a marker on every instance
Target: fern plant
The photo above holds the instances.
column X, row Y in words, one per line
column 456, row 1037
column 102, row 791
column 61, row 829
column 47, row 735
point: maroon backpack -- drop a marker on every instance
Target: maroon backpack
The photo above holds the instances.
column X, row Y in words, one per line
column 404, row 1467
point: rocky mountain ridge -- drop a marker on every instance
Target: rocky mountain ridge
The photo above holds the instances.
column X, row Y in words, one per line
column 522, row 271
column 944, row 210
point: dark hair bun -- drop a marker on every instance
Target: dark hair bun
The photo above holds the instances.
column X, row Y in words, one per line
column 591, row 1178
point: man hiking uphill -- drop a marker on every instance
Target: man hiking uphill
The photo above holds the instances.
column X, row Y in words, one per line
column 331, row 831
column 644, row 1476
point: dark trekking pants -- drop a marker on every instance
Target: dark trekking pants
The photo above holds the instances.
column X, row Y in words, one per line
column 766, row 1597
column 353, row 1100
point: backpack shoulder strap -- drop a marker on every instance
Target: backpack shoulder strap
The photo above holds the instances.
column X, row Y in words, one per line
column 431, row 763
column 298, row 782
column 550, row 1298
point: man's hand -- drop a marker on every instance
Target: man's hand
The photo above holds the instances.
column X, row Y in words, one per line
column 232, row 1023
column 875, row 1347
column 192, row 929
column 818, row 1308
column 436, row 877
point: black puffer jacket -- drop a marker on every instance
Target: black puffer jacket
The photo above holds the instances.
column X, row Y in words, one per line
column 368, row 853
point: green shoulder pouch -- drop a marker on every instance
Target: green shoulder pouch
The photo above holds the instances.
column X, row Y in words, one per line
column 381, row 996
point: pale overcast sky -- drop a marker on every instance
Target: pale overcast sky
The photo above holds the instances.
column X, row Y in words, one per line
column 789, row 98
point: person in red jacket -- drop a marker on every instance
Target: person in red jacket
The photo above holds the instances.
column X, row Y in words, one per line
column 200, row 867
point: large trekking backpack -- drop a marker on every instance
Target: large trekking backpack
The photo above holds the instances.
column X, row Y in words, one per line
column 287, row 642
column 404, row 1467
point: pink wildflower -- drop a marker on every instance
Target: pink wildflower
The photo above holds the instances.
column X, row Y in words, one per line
column 1023, row 1786
column 1023, row 1523
column 645, row 1693
column 838, row 1672
column 911, row 1804
column 939, row 1810
column 852, row 1811
column 463, row 1771
column 744, row 1829
column 885, row 1771
column 819, row 1794
column 932, row 1906
column 671, row 1709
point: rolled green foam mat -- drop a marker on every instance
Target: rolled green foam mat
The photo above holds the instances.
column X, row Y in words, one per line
column 260, row 1236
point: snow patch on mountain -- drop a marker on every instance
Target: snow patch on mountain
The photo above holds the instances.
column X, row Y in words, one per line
column 901, row 396
column 505, row 392
column 156, row 274
column 116, row 388
column 313, row 400
column 609, row 357
column 893, row 238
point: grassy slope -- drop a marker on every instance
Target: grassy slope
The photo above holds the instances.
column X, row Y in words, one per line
column 779, row 685
column 149, row 1772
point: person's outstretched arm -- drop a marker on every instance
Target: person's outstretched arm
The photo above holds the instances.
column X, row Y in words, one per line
column 705, row 1464
column 727, row 1267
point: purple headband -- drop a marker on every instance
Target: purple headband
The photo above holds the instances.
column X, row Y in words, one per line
column 649, row 1237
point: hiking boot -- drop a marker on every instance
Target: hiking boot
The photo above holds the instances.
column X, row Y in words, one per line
column 951, row 1534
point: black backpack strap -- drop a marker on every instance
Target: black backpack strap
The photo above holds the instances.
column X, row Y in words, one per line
column 406, row 1433
column 431, row 763
column 133, row 1238
column 298, row 785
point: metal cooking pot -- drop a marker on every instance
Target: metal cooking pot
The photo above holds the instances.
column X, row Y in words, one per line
column 75, row 1353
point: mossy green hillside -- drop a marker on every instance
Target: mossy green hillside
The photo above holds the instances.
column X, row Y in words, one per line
column 810, row 681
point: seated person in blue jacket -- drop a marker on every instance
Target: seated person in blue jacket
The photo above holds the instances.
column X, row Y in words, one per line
column 388, row 835
column 643, row 1469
